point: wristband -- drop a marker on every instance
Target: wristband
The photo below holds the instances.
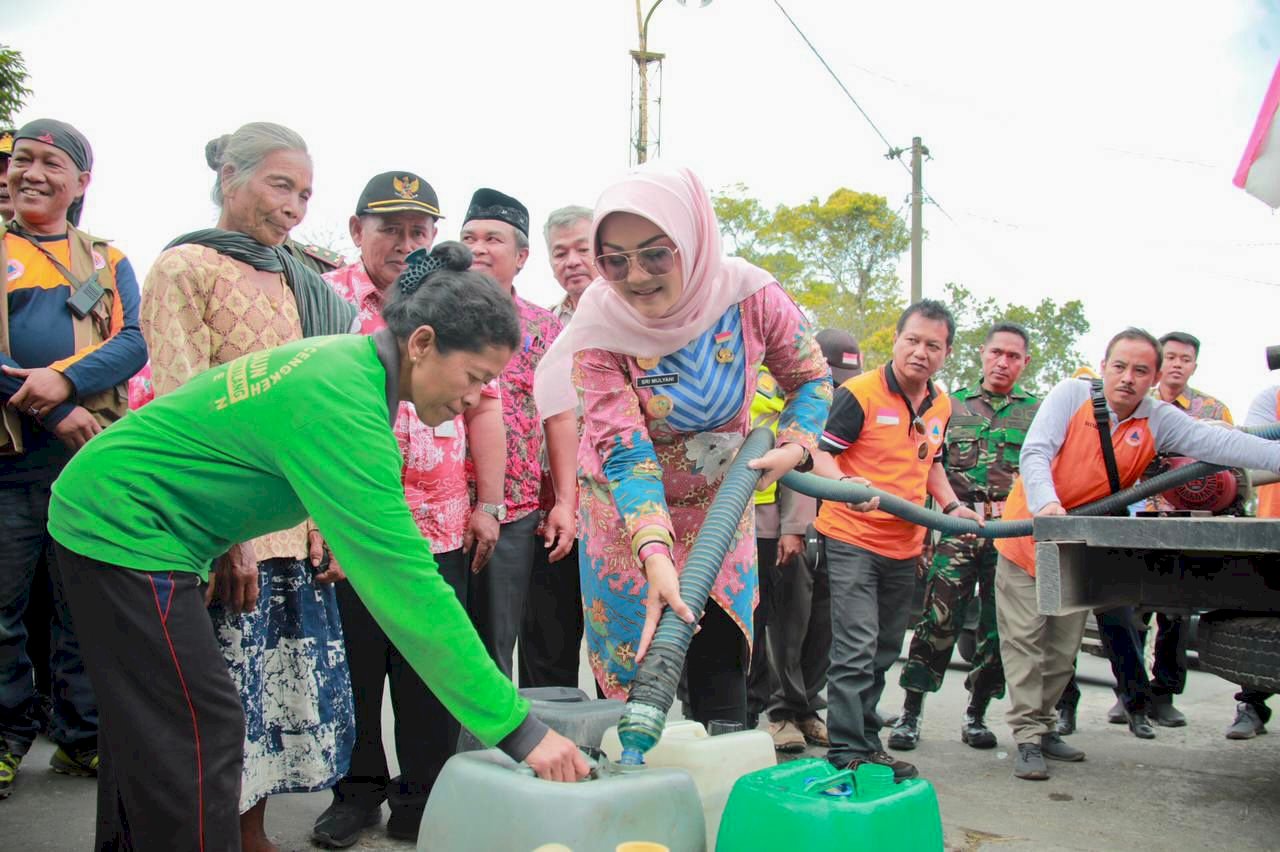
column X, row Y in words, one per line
column 951, row 507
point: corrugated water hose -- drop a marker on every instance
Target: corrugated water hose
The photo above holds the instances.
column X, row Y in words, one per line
column 654, row 688
column 852, row 492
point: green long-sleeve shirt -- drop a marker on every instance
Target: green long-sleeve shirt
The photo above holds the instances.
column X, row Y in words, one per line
column 258, row 445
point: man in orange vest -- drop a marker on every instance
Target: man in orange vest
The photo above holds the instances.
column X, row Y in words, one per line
column 1064, row 465
column 887, row 426
column 1252, row 713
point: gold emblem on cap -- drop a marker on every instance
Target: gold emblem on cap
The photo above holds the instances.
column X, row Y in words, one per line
column 659, row 407
column 405, row 187
column 724, row 355
column 646, row 363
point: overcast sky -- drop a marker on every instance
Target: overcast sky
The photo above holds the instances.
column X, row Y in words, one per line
column 1081, row 150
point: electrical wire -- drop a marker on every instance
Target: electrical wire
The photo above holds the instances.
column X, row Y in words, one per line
column 839, row 82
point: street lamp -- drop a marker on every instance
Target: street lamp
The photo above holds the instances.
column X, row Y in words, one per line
column 643, row 59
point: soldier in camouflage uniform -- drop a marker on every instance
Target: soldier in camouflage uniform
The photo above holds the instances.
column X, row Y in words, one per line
column 989, row 422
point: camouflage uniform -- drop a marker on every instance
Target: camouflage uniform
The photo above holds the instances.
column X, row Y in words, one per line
column 984, row 440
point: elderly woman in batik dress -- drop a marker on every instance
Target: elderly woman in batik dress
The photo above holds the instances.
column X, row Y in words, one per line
column 665, row 355
column 211, row 297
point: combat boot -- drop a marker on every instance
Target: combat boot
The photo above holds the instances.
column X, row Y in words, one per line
column 973, row 728
column 906, row 733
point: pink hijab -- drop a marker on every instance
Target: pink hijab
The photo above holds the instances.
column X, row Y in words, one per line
column 676, row 201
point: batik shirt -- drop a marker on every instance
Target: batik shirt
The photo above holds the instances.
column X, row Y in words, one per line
column 434, row 471
column 538, row 328
column 658, row 435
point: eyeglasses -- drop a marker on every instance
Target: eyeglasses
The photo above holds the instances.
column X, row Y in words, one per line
column 917, row 426
column 616, row 266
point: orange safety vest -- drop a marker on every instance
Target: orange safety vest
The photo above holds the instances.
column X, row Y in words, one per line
column 1080, row 474
column 1269, row 495
column 887, row 453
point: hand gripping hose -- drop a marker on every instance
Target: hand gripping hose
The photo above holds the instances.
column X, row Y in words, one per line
column 852, row 492
column 654, row 688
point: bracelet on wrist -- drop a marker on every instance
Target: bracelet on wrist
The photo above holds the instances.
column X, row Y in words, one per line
column 653, row 548
column 951, row 507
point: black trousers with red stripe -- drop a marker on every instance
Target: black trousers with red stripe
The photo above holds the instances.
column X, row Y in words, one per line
column 171, row 737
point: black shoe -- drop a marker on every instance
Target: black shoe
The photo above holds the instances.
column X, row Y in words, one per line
column 901, row 769
column 1054, row 747
column 341, row 823
column 1164, row 714
column 1066, row 720
column 906, row 733
column 1117, row 715
column 974, row 731
column 1030, row 765
column 403, row 824
column 1141, row 726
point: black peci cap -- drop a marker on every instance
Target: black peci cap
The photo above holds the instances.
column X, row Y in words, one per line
column 491, row 204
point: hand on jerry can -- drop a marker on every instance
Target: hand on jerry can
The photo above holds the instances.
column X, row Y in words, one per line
column 556, row 758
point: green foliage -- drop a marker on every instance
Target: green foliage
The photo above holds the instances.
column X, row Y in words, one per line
column 13, row 90
column 836, row 258
column 1054, row 329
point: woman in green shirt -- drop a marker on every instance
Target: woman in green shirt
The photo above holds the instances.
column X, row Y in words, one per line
column 242, row 449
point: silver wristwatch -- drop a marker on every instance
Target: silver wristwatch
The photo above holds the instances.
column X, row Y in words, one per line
column 498, row 510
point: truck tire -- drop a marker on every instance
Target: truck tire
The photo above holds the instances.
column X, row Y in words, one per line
column 1243, row 649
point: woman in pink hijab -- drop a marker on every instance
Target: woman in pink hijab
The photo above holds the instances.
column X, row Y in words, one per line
column 665, row 350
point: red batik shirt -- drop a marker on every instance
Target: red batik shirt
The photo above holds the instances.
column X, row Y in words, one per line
column 434, row 471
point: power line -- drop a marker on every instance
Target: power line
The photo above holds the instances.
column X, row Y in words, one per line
column 839, row 82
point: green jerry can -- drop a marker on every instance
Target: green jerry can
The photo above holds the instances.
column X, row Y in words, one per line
column 809, row 804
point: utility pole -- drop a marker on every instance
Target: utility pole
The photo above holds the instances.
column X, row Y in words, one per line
column 918, row 151
column 643, row 59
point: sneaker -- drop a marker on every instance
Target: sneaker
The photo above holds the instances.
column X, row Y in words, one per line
column 1054, row 747
column 906, row 732
column 787, row 737
column 1164, row 714
column 1117, row 715
column 82, row 763
column 814, row 730
column 901, row 769
column 9, row 764
column 1030, row 765
column 1248, row 724
column 341, row 823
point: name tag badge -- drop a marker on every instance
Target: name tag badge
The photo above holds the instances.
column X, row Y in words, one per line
column 447, row 429
column 660, row 380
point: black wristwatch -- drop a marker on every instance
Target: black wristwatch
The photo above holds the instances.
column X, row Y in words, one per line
column 951, row 507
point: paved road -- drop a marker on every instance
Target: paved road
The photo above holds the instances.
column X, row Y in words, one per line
column 1188, row 789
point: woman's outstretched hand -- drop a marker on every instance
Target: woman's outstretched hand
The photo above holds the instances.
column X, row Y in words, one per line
column 777, row 463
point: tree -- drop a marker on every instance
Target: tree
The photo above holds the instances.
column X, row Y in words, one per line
column 1054, row 330
column 13, row 91
column 836, row 258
